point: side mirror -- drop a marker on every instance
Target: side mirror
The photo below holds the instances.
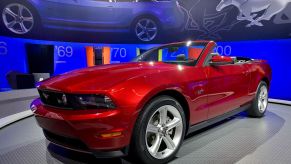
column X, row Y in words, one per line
column 220, row 60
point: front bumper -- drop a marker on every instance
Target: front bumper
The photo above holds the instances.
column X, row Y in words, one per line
column 83, row 130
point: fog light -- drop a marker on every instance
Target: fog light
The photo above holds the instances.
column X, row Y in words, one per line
column 110, row 135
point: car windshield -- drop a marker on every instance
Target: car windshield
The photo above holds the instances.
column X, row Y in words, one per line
column 182, row 53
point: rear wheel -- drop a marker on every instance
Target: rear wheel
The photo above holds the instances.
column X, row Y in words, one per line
column 260, row 103
column 159, row 131
column 146, row 29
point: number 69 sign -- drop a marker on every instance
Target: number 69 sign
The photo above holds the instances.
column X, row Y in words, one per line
column 64, row 51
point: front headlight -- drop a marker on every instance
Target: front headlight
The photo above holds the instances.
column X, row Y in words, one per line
column 94, row 102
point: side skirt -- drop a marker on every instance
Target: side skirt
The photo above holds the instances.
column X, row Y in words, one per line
column 214, row 120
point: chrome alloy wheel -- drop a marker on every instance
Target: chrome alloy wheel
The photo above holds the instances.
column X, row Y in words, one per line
column 263, row 99
column 17, row 18
column 146, row 29
column 164, row 132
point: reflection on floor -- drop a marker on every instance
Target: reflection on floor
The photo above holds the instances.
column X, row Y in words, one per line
column 238, row 139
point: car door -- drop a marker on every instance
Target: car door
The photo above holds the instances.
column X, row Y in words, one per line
column 85, row 12
column 124, row 10
column 227, row 87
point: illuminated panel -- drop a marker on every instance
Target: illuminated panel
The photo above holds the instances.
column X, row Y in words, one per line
column 106, row 55
column 90, row 56
column 160, row 55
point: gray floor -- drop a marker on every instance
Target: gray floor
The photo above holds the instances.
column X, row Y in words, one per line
column 237, row 140
column 15, row 101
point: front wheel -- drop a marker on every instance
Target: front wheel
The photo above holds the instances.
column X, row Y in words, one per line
column 159, row 131
column 18, row 17
column 260, row 102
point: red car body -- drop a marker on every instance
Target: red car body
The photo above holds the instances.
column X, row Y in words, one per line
column 204, row 91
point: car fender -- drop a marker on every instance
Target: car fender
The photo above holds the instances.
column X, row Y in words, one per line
column 259, row 70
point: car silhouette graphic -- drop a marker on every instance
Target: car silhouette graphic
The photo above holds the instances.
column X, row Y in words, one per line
column 145, row 19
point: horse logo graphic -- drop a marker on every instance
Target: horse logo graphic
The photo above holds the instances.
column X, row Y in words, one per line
column 284, row 16
column 249, row 8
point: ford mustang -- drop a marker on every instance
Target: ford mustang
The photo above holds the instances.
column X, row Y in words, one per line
column 146, row 107
column 146, row 19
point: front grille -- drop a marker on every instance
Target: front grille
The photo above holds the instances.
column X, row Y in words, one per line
column 71, row 143
column 55, row 99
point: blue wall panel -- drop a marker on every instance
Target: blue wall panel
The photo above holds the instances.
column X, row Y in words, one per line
column 11, row 58
column 69, row 56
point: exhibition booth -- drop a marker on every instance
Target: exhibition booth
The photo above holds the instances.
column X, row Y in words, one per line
column 75, row 47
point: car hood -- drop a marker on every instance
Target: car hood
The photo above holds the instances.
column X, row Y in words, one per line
column 103, row 77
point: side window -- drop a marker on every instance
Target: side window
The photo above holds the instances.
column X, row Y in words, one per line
column 174, row 53
column 154, row 56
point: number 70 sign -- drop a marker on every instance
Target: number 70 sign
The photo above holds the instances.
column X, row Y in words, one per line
column 119, row 52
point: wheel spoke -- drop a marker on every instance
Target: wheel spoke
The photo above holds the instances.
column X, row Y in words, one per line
column 23, row 28
column 148, row 36
column 140, row 25
column 265, row 95
column 11, row 24
column 20, row 10
column 27, row 19
column 152, row 128
column 163, row 115
column 140, row 34
column 11, row 13
column 169, row 142
column 263, row 99
column 174, row 123
column 147, row 23
column 259, row 104
column 152, row 29
column 155, row 147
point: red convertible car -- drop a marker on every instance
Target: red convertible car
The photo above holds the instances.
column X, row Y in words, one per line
column 146, row 107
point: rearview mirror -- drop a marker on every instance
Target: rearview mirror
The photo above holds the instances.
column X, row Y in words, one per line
column 220, row 60
column 173, row 49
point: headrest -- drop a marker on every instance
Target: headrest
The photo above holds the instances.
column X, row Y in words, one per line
column 181, row 57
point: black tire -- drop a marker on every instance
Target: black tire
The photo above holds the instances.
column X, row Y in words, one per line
column 36, row 27
column 138, row 148
column 254, row 110
column 154, row 20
